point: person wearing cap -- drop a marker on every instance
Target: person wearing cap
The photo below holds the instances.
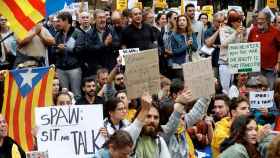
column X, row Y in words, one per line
column 263, row 115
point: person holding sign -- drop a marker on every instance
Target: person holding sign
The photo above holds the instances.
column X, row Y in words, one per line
column 269, row 37
column 183, row 43
column 232, row 32
column 261, row 99
column 116, row 112
column 8, row 147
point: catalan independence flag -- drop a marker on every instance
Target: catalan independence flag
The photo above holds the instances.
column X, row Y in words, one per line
column 24, row 90
column 23, row 15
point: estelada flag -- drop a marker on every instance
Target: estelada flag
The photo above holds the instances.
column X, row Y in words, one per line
column 23, row 15
column 25, row 89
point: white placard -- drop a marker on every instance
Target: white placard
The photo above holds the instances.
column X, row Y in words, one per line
column 261, row 99
column 123, row 52
column 69, row 131
column 244, row 57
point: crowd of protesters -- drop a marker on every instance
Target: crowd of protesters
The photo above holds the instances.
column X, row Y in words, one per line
column 171, row 124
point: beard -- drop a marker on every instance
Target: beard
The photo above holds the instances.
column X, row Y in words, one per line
column 90, row 93
column 120, row 87
column 150, row 130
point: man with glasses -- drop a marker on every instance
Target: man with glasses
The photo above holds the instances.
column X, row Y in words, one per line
column 269, row 37
column 213, row 39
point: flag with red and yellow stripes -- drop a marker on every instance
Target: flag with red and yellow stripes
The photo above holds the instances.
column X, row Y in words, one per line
column 24, row 90
column 22, row 15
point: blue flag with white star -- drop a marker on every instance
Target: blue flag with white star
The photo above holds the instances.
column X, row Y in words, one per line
column 27, row 79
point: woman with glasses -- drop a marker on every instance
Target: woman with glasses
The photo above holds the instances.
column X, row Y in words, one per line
column 115, row 111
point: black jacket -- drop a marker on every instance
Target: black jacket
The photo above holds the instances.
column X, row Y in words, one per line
column 69, row 58
column 6, row 148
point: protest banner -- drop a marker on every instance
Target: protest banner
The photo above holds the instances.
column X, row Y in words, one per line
column 75, row 8
column 121, row 5
column 69, row 131
column 244, row 57
column 142, row 73
column 261, row 99
column 37, row 154
column 122, row 52
column 199, row 77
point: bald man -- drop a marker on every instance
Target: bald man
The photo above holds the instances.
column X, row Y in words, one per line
column 8, row 147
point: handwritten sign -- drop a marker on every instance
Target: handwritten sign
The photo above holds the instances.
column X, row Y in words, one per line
column 244, row 57
column 122, row 52
column 142, row 73
column 261, row 99
column 121, row 5
column 69, row 131
column 199, row 77
column 37, row 154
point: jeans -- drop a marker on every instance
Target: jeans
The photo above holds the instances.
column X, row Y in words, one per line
column 225, row 77
column 71, row 79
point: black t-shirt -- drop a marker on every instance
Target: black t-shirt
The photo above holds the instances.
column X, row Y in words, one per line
column 143, row 38
column 83, row 101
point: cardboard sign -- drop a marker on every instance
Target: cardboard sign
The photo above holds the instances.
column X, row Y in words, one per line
column 244, row 57
column 123, row 52
column 69, row 131
column 121, row 5
column 261, row 99
column 199, row 77
column 142, row 73
column 37, row 154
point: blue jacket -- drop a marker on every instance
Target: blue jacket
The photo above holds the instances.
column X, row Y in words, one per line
column 179, row 47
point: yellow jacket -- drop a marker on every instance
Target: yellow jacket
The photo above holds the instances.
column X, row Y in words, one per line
column 221, row 132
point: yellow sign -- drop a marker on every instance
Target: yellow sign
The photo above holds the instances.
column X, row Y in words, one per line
column 161, row 4
column 271, row 3
column 121, row 5
column 139, row 5
column 208, row 9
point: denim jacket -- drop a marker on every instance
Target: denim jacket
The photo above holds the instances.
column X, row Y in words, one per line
column 179, row 47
